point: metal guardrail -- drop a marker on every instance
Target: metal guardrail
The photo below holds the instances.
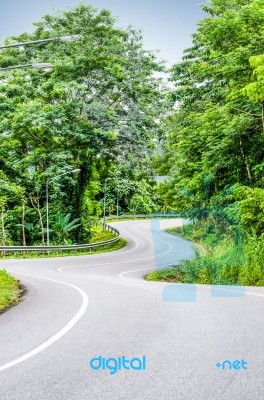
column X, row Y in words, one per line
column 158, row 215
column 66, row 247
column 88, row 245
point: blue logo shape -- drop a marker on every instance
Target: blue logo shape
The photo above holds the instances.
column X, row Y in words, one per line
column 179, row 292
column 227, row 291
column 236, row 365
column 117, row 364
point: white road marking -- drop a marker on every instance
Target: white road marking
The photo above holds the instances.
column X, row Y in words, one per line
column 59, row 334
column 61, row 269
column 85, row 302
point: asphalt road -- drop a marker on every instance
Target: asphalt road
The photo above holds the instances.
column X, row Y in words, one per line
column 78, row 308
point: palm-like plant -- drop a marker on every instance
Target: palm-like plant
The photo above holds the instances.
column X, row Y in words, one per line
column 63, row 225
column 31, row 229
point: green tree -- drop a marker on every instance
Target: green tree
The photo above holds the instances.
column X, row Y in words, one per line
column 100, row 106
column 216, row 127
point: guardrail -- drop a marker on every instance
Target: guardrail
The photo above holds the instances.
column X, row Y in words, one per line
column 5, row 249
column 158, row 215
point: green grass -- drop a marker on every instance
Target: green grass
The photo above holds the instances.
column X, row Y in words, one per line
column 184, row 231
column 10, row 290
column 98, row 235
column 166, row 275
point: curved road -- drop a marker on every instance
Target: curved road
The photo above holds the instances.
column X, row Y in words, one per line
column 78, row 308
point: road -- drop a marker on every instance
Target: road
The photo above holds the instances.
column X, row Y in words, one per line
column 81, row 307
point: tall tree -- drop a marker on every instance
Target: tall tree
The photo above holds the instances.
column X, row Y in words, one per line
column 216, row 128
column 100, row 104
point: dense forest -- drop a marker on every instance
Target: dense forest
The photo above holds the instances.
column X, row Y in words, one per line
column 214, row 149
column 98, row 111
column 113, row 110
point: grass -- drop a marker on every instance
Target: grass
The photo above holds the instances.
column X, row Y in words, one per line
column 10, row 291
column 184, row 232
column 98, row 235
column 166, row 275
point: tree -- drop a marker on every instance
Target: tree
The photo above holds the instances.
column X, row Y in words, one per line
column 215, row 129
column 255, row 90
column 100, row 105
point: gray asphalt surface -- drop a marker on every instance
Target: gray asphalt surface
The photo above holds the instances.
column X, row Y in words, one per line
column 78, row 308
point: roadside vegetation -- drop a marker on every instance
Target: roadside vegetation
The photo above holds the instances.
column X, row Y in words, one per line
column 98, row 234
column 10, row 290
column 214, row 151
column 220, row 259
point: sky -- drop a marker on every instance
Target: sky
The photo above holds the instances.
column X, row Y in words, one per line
column 167, row 25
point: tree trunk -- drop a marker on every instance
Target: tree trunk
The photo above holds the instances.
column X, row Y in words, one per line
column 36, row 205
column 245, row 158
column 42, row 227
column 3, row 226
column 262, row 115
column 23, row 224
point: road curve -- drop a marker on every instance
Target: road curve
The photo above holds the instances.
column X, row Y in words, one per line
column 78, row 308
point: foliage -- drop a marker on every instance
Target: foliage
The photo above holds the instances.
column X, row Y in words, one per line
column 125, row 184
column 251, row 202
column 63, row 225
column 252, row 273
column 139, row 205
column 223, row 263
column 255, row 89
column 216, row 129
column 98, row 110
column 220, row 263
column 214, row 148
column 97, row 235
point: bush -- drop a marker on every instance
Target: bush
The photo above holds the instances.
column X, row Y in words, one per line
column 252, row 273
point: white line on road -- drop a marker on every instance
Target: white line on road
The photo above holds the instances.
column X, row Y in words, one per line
column 61, row 269
column 91, row 265
column 58, row 335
